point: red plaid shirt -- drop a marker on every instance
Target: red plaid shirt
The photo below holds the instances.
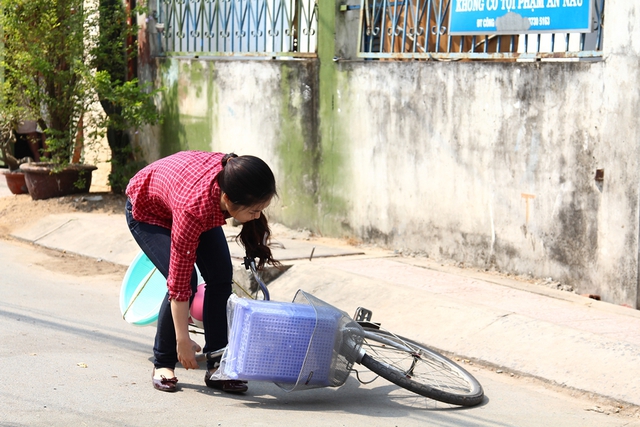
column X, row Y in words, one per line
column 180, row 192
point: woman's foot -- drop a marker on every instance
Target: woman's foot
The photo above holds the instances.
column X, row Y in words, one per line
column 164, row 379
column 230, row 386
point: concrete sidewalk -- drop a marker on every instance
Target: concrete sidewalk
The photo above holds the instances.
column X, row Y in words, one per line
column 553, row 335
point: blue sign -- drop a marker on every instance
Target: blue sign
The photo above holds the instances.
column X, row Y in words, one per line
column 520, row 16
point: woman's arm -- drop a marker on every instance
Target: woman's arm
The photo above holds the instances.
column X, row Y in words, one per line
column 185, row 346
column 185, row 236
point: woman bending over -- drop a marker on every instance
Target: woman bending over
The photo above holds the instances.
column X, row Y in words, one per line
column 175, row 210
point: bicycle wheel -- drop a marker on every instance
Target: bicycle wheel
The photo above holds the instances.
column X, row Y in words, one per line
column 416, row 368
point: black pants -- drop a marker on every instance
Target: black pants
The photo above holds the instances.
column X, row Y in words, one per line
column 214, row 263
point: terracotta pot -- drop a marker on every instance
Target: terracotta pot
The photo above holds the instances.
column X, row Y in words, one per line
column 16, row 182
column 42, row 183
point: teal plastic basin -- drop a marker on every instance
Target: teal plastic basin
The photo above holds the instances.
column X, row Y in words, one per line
column 143, row 289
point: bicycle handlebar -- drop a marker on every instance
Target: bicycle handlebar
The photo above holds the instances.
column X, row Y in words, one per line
column 250, row 264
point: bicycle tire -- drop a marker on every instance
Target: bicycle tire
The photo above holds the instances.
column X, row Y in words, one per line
column 417, row 368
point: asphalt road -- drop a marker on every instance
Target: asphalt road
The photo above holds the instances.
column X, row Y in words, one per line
column 69, row 359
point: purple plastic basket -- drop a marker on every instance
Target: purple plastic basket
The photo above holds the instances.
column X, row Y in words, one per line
column 270, row 341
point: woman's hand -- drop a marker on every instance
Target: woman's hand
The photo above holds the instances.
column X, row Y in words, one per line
column 185, row 346
column 187, row 353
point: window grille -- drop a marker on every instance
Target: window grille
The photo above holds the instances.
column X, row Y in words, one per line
column 417, row 29
column 238, row 27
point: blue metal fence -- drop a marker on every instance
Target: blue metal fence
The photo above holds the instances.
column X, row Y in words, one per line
column 238, row 27
column 417, row 29
column 389, row 29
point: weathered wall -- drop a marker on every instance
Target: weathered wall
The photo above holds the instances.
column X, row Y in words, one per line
column 490, row 164
column 495, row 164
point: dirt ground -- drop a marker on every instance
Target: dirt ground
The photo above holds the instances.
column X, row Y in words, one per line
column 17, row 210
column 20, row 209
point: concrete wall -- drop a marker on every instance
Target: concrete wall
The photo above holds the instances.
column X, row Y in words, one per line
column 488, row 163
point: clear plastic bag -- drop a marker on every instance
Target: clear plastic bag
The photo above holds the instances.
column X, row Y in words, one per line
column 300, row 345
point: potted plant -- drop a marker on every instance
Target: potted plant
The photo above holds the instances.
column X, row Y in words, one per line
column 15, row 178
column 51, row 73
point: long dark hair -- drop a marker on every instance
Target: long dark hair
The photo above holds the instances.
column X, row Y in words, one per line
column 248, row 181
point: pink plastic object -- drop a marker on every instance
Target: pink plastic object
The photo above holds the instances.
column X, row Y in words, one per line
column 197, row 306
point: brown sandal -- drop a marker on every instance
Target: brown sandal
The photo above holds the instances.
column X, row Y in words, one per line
column 229, row 386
